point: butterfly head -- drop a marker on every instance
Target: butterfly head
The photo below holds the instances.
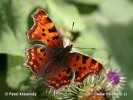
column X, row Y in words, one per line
column 63, row 53
column 68, row 48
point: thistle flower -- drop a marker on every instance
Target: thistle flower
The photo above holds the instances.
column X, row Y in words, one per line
column 113, row 77
column 115, row 81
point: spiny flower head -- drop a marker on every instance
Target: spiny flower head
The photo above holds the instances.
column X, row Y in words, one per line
column 115, row 81
column 113, row 77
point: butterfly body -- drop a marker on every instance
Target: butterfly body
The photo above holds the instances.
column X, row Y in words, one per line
column 59, row 56
column 63, row 53
column 53, row 62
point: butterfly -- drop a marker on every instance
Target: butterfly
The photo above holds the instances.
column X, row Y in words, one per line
column 53, row 62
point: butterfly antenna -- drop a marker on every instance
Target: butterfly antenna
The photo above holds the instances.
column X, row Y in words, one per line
column 72, row 26
column 85, row 48
column 71, row 35
column 78, row 47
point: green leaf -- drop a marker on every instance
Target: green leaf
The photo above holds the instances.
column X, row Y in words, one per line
column 119, row 11
column 16, row 74
column 87, row 40
column 90, row 37
column 88, row 1
column 9, row 36
column 64, row 15
column 8, row 43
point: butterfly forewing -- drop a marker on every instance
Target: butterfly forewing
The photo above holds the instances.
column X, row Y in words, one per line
column 83, row 66
column 44, row 30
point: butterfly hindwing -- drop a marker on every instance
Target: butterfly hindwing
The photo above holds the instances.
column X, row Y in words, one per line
column 57, row 74
column 83, row 66
column 44, row 30
column 38, row 56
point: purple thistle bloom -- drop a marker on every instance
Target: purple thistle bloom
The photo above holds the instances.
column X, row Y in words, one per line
column 113, row 77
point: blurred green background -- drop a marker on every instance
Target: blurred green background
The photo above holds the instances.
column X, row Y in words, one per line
column 106, row 25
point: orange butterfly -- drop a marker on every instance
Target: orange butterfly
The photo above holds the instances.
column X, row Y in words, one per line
column 52, row 61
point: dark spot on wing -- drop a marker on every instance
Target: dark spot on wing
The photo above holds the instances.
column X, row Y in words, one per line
column 44, row 53
column 56, row 37
column 40, row 59
column 76, row 74
column 77, row 58
column 80, row 68
column 53, row 38
column 93, row 62
column 59, row 75
column 48, row 40
column 48, row 20
column 43, row 34
column 84, row 68
column 42, row 50
column 84, row 59
column 74, row 65
column 43, row 29
column 100, row 66
column 53, row 29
